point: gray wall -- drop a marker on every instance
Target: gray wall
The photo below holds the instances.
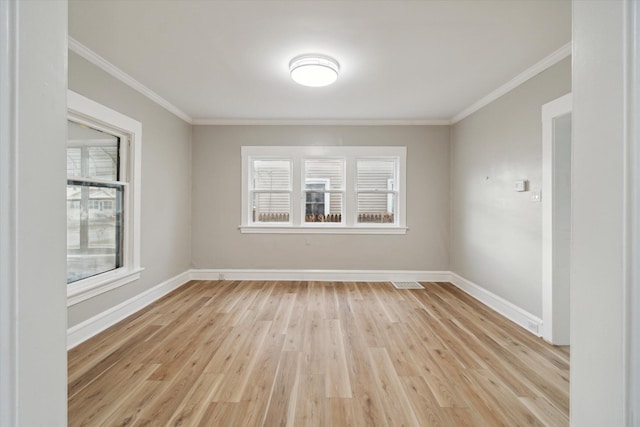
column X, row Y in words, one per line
column 166, row 184
column 496, row 238
column 217, row 242
column 598, row 322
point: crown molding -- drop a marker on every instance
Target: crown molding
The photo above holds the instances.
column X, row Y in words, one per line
column 320, row 122
column 530, row 72
column 108, row 67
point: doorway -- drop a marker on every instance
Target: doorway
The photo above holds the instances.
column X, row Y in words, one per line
column 556, row 219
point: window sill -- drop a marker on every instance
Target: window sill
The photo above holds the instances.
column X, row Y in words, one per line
column 90, row 287
column 277, row 229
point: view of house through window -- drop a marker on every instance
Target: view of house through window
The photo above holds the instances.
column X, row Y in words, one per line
column 94, row 202
column 324, row 190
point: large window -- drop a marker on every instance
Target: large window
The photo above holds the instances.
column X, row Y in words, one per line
column 323, row 190
column 103, row 178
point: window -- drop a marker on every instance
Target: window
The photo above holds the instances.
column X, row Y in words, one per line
column 94, row 243
column 271, row 190
column 375, row 190
column 103, row 181
column 323, row 190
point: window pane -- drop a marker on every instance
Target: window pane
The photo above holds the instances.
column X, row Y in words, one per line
column 324, row 171
column 92, row 153
column 376, row 208
column 271, row 174
column 271, row 207
column 376, row 174
column 94, row 229
column 323, row 207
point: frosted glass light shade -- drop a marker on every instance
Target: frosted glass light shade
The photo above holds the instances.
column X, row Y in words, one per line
column 314, row 70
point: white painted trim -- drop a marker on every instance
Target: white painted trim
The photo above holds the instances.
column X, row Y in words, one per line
column 108, row 67
column 8, row 317
column 296, row 155
column 509, row 310
column 550, row 111
column 82, row 109
column 530, row 72
column 105, row 282
column 304, row 229
column 631, row 223
column 321, row 275
column 322, row 122
column 98, row 323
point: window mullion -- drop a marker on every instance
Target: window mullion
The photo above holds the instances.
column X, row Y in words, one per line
column 350, row 191
column 297, row 195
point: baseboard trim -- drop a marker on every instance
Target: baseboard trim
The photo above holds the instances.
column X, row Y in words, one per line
column 98, row 323
column 509, row 310
column 321, row 275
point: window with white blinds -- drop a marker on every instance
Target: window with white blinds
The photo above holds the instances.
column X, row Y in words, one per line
column 271, row 190
column 323, row 190
column 376, row 190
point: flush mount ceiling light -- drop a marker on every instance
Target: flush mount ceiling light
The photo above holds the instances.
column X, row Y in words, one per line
column 314, row 70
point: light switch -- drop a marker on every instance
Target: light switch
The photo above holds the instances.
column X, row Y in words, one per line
column 535, row 195
column 521, row 185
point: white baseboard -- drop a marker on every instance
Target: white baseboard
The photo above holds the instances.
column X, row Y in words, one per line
column 98, row 323
column 321, row 275
column 90, row 327
column 511, row 311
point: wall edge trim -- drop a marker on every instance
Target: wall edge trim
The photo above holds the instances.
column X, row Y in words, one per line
column 321, row 122
column 101, row 321
column 320, row 275
column 106, row 66
column 521, row 78
column 98, row 323
column 519, row 316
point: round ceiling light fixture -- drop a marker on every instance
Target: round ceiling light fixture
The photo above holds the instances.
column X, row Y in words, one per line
column 314, row 70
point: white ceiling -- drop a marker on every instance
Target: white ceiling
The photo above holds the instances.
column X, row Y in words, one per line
column 400, row 60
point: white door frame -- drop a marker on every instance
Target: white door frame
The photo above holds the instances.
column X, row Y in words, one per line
column 556, row 108
column 8, row 349
column 632, row 221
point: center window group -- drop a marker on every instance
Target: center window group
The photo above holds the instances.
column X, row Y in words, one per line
column 346, row 187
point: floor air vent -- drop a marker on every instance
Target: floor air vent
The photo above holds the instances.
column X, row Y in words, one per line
column 407, row 285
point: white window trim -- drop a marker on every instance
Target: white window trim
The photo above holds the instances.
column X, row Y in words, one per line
column 297, row 154
column 83, row 108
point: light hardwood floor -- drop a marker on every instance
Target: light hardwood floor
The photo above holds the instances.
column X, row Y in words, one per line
column 317, row 354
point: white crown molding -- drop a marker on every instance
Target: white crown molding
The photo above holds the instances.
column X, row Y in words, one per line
column 498, row 304
column 321, row 122
column 530, row 72
column 108, row 67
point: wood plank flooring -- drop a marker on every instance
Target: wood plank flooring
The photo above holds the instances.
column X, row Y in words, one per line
column 230, row 353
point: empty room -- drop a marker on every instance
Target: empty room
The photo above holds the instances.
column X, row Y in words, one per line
column 319, row 213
